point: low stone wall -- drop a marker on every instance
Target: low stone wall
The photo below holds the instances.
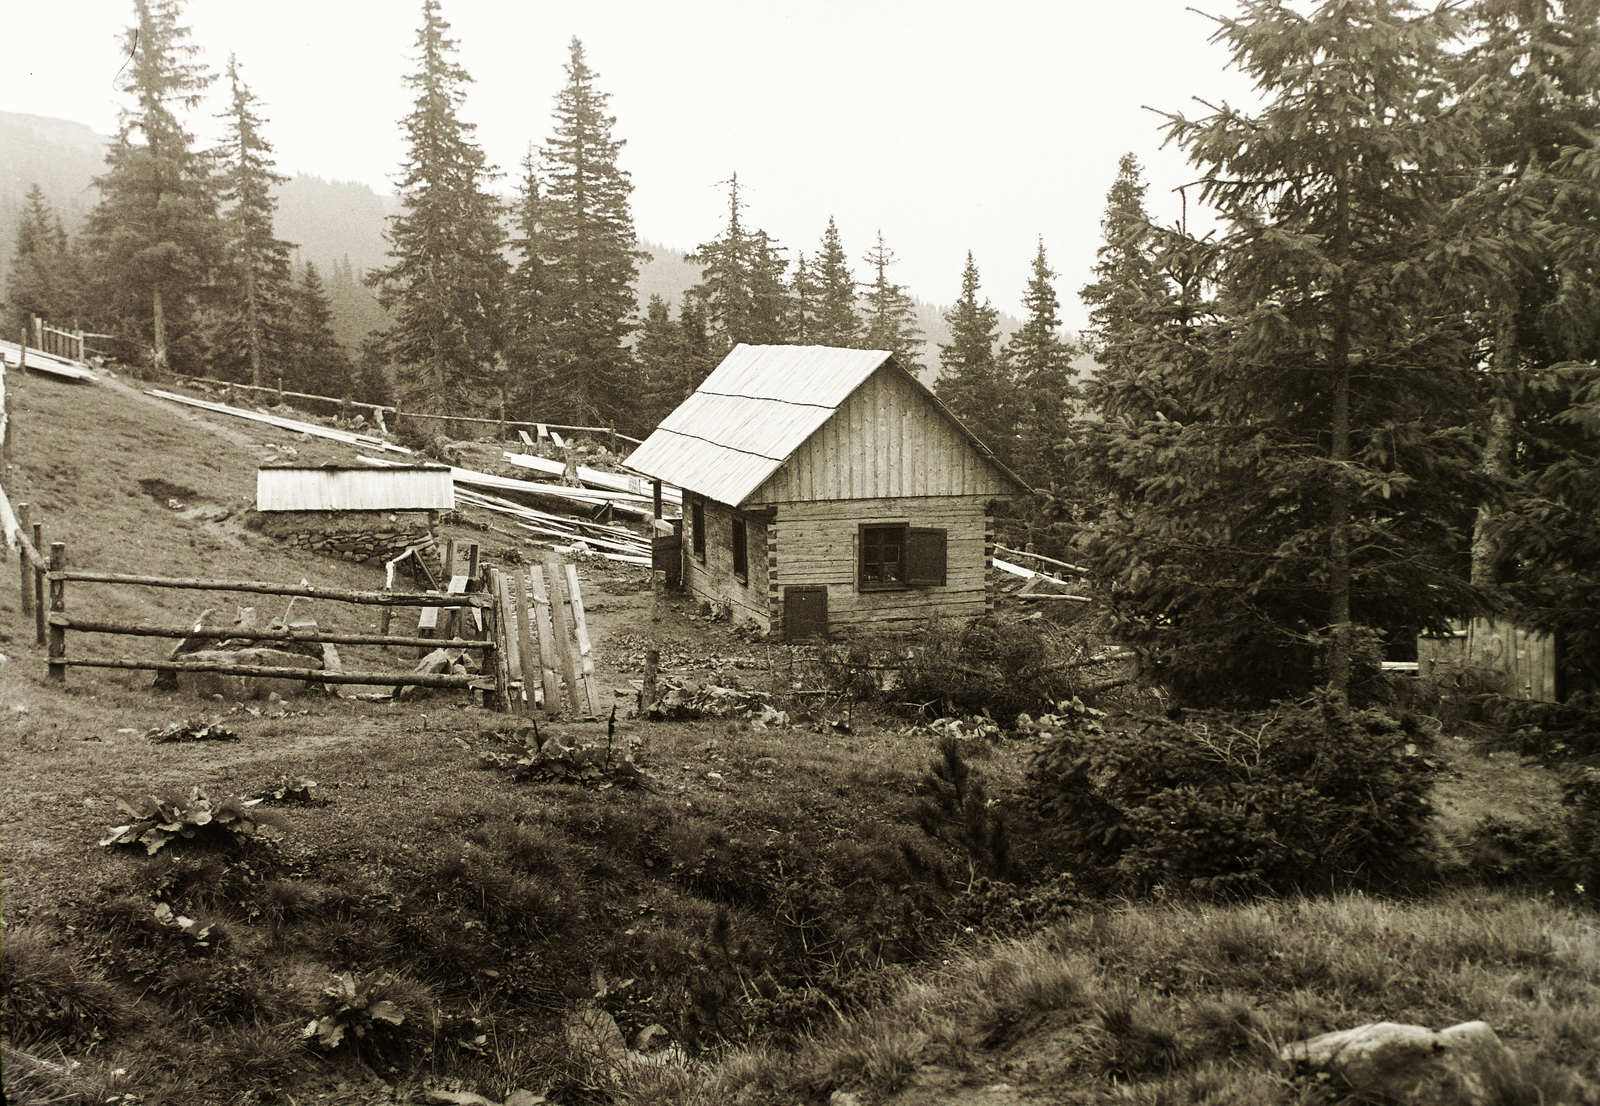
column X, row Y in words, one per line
column 359, row 536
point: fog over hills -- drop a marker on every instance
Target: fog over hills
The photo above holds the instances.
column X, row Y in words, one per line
column 336, row 225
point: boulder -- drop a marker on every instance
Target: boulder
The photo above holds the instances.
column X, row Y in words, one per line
column 1405, row 1063
column 207, row 684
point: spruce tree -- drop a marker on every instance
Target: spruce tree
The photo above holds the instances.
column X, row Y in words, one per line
column 316, row 363
column 588, row 259
column 1313, row 492
column 891, row 317
column 1040, row 363
column 836, row 322
column 1127, row 285
column 258, row 261
column 446, row 286
column 803, row 285
column 154, row 237
column 527, row 348
column 45, row 276
column 973, row 381
column 742, row 291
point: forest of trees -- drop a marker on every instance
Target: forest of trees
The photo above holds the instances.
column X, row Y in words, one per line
column 1366, row 405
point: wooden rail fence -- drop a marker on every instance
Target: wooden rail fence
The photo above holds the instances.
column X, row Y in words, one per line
column 535, row 641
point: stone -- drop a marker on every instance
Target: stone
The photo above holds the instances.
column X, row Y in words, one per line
column 593, row 1034
column 1408, row 1064
column 522, row 1097
column 460, row 1098
column 243, row 687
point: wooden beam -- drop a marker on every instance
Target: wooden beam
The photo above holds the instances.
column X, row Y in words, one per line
column 580, row 623
column 309, row 591
column 91, row 626
column 565, row 644
column 314, row 675
column 526, row 649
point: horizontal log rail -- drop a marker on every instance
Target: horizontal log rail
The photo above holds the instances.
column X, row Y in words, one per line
column 998, row 548
column 308, row 591
column 311, row 675
column 234, row 634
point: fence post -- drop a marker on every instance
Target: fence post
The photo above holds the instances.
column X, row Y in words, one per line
column 58, row 605
column 38, row 585
column 25, row 528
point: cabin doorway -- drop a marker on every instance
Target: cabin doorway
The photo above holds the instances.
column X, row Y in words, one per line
column 805, row 613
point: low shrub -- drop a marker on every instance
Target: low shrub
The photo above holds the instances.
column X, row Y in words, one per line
column 378, row 1014
column 1299, row 796
column 158, row 819
column 49, row 996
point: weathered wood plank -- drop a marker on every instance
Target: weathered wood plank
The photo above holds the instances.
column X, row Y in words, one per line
column 544, row 623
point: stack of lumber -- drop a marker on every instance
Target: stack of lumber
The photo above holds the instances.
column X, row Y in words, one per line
column 595, row 478
column 546, row 642
column 40, row 361
column 621, row 502
column 561, row 533
column 315, row 430
column 1033, row 582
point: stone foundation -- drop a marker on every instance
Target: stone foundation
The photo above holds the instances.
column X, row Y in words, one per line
column 361, row 536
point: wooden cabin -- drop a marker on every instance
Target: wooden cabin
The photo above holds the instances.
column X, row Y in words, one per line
column 828, row 488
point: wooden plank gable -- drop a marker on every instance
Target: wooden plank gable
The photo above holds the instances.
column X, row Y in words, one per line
column 887, row 440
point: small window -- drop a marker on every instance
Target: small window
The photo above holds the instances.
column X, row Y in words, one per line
column 697, row 529
column 902, row 556
column 883, row 562
column 741, row 552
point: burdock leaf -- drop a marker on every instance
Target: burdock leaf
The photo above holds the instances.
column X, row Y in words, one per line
column 384, row 1010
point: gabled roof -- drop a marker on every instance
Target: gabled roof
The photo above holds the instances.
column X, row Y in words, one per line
column 754, row 410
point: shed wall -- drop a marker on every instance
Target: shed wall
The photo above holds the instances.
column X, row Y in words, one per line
column 1522, row 662
column 887, row 440
column 296, row 489
column 816, row 544
column 713, row 579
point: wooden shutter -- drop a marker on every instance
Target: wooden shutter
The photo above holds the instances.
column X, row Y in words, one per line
column 925, row 558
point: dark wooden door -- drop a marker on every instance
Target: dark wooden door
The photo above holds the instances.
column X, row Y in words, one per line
column 666, row 555
column 805, row 613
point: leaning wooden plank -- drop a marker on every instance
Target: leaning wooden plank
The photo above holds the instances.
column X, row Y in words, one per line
column 257, row 587
column 566, row 647
column 316, row 675
column 552, row 529
column 1015, row 570
column 528, row 652
column 537, row 487
column 508, row 633
column 580, row 622
column 295, row 425
column 40, row 361
column 8, row 520
column 611, row 481
column 544, row 620
column 1038, row 557
column 522, row 510
column 638, row 549
column 501, row 695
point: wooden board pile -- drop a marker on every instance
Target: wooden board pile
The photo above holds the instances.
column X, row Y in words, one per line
column 545, row 642
column 1031, row 585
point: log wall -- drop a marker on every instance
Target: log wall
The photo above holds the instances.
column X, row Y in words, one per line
column 713, row 579
column 816, row 544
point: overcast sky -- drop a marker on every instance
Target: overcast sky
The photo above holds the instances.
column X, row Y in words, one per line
column 947, row 126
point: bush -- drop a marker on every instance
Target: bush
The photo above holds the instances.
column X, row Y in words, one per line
column 1290, row 798
column 49, row 997
column 988, row 666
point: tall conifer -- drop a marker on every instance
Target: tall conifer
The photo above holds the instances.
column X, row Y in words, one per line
column 972, row 379
column 837, row 322
column 891, row 317
column 316, row 362
column 154, row 235
column 446, row 286
column 587, row 256
column 742, row 291
column 1040, row 363
column 258, row 258
column 44, row 278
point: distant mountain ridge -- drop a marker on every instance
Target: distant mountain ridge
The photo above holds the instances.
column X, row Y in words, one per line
column 336, row 225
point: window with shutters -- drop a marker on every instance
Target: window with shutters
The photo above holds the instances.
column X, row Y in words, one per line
column 741, row 552
column 697, row 530
column 901, row 556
